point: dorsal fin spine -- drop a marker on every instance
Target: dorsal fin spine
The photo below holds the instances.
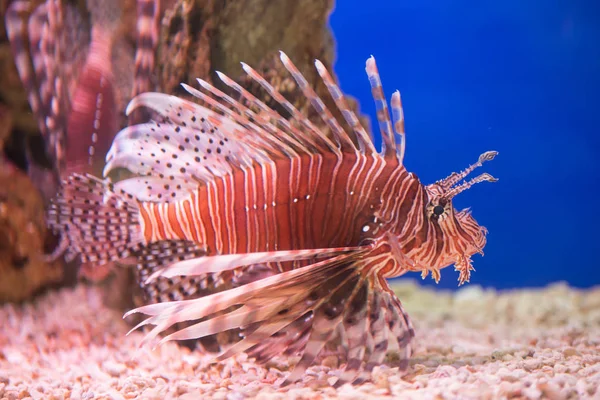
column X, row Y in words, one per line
column 339, row 134
column 313, row 135
column 388, row 146
column 267, row 139
column 398, row 115
column 285, row 127
column 364, row 141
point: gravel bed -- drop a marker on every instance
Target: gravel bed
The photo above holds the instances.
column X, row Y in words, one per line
column 472, row 343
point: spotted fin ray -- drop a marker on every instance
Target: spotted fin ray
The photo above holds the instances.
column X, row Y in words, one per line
column 250, row 136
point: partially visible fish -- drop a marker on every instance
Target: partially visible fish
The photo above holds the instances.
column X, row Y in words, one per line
column 321, row 221
column 68, row 70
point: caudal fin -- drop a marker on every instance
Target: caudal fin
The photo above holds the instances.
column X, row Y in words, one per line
column 97, row 221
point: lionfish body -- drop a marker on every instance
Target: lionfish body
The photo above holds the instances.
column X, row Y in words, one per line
column 310, row 224
column 70, row 72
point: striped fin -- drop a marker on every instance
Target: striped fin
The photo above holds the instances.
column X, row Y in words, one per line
column 289, row 341
column 364, row 140
column 327, row 319
column 217, row 304
column 340, row 135
column 286, row 284
column 372, row 322
column 30, row 37
column 204, row 265
column 53, row 88
column 298, row 311
column 262, row 132
column 398, row 115
column 147, row 31
column 159, row 255
column 261, row 136
column 254, row 335
column 156, row 256
column 100, row 224
column 276, row 133
column 249, row 312
column 72, row 99
column 313, row 136
column 400, row 326
column 37, row 29
column 356, row 334
column 314, row 308
column 18, row 35
column 377, row 335
column 191, row 137
column 383, row 115
column 24, row 31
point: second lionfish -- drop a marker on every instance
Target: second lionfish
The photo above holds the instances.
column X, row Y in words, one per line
column 311, row 221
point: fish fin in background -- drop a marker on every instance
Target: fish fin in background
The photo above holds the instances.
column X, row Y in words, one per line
column 30, row 33
column 50, row 44
column 93, row 118
column 67, row 70
column 147, row 35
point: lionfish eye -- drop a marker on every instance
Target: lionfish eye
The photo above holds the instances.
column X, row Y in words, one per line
column 438, row 210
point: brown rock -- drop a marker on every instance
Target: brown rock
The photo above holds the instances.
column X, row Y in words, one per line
column 22, row 235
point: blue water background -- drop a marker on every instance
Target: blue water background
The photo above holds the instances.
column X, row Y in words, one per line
column 520, row 77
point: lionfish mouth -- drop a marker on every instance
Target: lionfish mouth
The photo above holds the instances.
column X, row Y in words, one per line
column 477, row 232
column 481, row 239
column 452, row 187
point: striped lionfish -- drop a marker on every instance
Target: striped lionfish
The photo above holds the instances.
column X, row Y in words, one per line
column 77, row 78
column 233, row 186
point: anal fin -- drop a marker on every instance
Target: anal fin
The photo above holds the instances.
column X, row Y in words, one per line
column 159, row 255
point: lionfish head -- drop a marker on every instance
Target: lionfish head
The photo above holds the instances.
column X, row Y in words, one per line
column 462, row 235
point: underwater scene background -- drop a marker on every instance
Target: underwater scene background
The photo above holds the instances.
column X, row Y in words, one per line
column 518, row 77
column 522, row 78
